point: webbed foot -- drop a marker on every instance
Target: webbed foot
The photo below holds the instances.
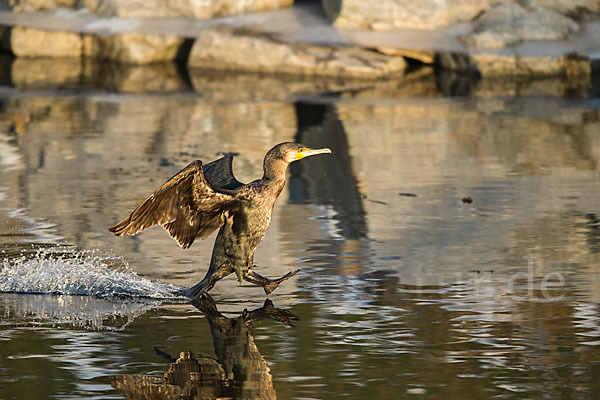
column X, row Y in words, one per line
column 269, row 285
column 274, row 283
column 213, row 275
column 196, row 291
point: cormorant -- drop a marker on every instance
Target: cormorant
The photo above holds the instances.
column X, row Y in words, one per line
column 201, row 199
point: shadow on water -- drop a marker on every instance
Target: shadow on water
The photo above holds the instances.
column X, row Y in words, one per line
column 239, row 370
column 328, row 180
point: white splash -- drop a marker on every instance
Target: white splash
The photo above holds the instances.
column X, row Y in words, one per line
column 78, row 273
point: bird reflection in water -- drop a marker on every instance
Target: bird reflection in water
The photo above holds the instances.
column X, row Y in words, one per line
column 239, row 370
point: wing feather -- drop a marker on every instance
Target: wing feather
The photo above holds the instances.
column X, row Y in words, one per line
column 220, row 173
column 187, row 206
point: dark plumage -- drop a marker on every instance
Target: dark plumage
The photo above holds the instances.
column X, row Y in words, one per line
column 201, row 199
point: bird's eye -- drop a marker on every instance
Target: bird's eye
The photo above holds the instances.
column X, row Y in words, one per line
column 302, row 150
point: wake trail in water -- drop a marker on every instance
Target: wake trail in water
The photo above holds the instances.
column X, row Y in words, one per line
column 79, row 273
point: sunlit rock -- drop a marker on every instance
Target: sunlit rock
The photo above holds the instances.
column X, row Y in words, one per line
column 30, row 42
column 129, row 48
column 132, row 48
column 180, row 8
column 537, row 37
column 35, row 73
column 40, row 5
column 508, row 23
column 394, row 14
column 226, row 49
column 577, row 9
column 432, row 14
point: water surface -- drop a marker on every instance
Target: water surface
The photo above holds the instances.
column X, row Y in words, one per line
column 404, row 291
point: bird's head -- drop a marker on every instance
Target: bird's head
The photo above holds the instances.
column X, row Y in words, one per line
column 280, row 156
column 290, row 152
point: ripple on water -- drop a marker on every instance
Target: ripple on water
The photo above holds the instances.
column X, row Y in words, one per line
column 89, row 312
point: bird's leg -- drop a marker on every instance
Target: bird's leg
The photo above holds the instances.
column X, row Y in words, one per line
column 240, row 272
column 267, row 284
column 212, row 276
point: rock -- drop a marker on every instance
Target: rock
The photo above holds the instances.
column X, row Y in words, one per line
column 30, row 42
column 508, row 23
column 225, row 49
column 40, row 5
column 128, row 48
column 577, row 9
column 395, row 14
column 180, row 8
column 132, row 48
column 426, row 57
column 494, row 64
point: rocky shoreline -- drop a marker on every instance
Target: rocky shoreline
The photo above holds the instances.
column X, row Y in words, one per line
column 341, row 38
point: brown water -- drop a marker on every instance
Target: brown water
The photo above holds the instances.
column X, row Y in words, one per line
column 404, row 290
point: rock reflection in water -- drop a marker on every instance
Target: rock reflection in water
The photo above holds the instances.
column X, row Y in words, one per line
column 239, row 370
column 162, row 78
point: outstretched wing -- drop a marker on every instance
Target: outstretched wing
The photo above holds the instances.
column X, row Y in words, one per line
column 220, row 173
column 187, row 206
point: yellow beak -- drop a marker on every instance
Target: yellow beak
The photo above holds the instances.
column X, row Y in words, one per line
column 312, row 152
